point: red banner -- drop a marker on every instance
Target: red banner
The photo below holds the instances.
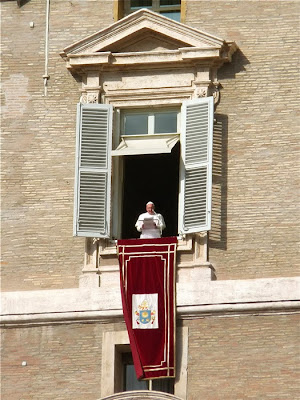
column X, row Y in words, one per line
column 147, row 274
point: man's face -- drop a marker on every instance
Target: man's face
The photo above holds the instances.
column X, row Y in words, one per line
column 150, row 208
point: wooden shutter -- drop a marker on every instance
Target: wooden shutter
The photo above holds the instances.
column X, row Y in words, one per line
column 93, row 170
column 196, row 165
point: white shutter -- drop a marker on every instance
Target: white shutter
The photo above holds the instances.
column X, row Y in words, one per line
column 93, row 170
column 196, row 165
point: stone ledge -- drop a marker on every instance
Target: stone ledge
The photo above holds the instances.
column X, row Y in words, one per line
column 190, row 312
column 215, row 297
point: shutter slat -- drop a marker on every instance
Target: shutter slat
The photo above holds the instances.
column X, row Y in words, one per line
column 195, row 190
column 92, row 193
column 92, row 201
column 195, row 197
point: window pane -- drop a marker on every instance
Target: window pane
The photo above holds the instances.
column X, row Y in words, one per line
column 174, row 15
column 140, row 3
column 165, row 122
column 136, row 124
column 131, row 383
column 170, row 2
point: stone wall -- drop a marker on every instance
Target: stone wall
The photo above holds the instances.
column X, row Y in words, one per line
column 63, row 361
column 254, row 231
column 243, row 357
column 233, row 357
column 38, row 247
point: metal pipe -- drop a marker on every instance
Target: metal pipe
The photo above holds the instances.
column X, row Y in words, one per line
column 46, row 75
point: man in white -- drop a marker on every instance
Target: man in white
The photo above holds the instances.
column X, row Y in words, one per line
column 150, row 223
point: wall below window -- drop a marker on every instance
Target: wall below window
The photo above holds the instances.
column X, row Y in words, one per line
column 245, row 357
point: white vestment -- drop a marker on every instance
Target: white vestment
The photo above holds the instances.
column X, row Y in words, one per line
column 147, row 219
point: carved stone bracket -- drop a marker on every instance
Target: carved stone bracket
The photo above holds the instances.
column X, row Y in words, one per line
column 90, row 97
column 91, row 87
column 211, row 89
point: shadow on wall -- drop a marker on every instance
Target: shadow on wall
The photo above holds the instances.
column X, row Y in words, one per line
column 22, row 2
column 237, row 65
column 218, row 233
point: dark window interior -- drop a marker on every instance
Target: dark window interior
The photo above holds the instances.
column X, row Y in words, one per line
column 170, row 2
column 148, row 3
column 141, row 3
column 151, row 178
column 131, row 382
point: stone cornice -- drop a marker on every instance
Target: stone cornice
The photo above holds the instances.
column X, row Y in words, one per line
column 214, row 54
column 190, row 312
column 193, row 300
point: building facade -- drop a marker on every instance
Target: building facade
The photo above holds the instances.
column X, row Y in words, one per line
column 144, row 64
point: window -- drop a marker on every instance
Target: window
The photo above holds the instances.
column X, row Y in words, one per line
column 146, row 123
column 179, row 177
column 130, row 382
column 168, row 8
column 116, row 354
column 152, row 177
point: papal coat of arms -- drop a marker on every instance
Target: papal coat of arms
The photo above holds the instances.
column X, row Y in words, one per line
column 144, row 311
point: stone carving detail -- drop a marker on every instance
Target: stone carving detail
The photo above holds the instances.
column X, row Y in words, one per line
column 212, row 90
column 89, row 97
column 83, row 98
column 216, row 93
column 201, row 92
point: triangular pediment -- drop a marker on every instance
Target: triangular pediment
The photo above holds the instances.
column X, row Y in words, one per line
column 143, row 31
column 145, row 40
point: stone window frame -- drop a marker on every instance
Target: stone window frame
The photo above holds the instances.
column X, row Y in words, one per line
column 112, row 345
column 92, row 57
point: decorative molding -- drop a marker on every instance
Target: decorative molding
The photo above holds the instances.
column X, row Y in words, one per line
column 138, row 98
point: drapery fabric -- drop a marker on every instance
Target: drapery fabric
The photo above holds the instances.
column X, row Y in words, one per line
column 147, row 278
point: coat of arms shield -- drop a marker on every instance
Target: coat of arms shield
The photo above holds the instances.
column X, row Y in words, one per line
column 144, row 311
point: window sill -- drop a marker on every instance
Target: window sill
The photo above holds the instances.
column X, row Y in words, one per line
column 110, row 246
